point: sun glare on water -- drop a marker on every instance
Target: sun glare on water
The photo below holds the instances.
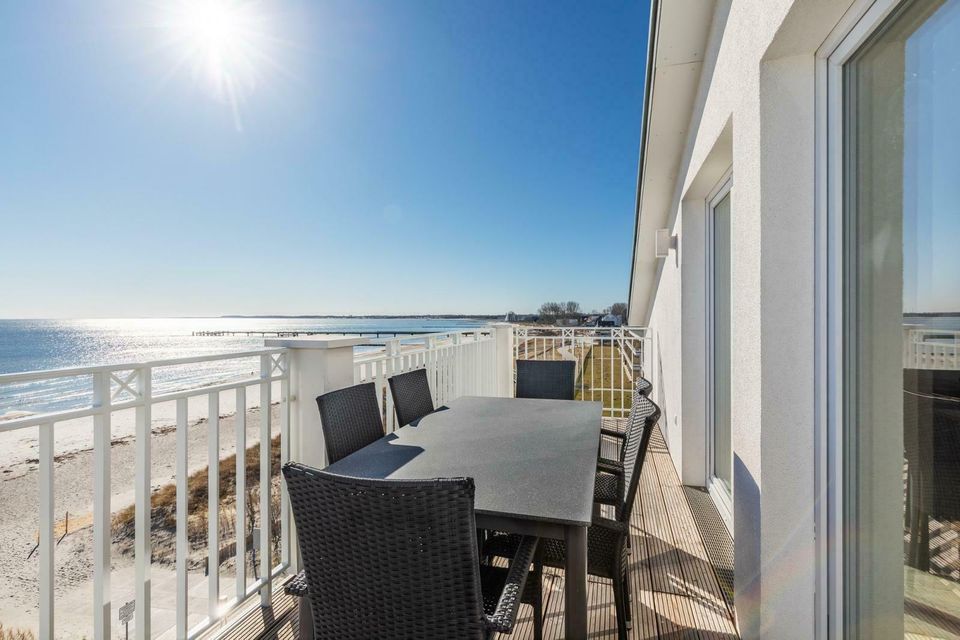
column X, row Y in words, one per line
column 223, row 43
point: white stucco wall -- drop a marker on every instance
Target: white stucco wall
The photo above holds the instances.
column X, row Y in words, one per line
column 755, row 112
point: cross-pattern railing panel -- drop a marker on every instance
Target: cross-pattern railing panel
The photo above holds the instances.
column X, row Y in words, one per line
column 457, row 363
column 931, row 349
column 114, row 389
column 608, row 359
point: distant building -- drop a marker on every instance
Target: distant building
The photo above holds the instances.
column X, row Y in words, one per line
column 609, row 320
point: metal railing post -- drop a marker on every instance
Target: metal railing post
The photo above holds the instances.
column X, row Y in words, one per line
column 142, row 548
column 101, row 506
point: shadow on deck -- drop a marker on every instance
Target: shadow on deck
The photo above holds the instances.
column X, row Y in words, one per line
column 677, row 590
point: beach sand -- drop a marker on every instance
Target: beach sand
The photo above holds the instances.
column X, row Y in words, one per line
column 73, row 489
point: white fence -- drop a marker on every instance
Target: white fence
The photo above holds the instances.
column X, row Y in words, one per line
column 931, row 349
column 475, row 362
column 117, row 389
column 457, row 363
column 608, row 359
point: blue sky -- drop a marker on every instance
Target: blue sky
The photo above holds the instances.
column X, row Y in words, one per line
column 396, row 157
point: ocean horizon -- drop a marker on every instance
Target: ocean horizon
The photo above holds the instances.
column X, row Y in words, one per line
column 35, row 345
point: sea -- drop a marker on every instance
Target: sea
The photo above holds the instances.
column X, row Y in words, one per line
column 37, row 345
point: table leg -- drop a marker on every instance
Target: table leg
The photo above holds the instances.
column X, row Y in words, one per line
column 575, row 609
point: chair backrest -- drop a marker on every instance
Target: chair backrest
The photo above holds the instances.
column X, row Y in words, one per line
column 643, row 386
column 350, row 419
column 388, row 558
column 931, row 439
column 635, row 405
column 411, row 396
column 643, row 418
column 547, row 379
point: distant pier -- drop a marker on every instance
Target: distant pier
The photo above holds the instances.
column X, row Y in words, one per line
column 376, row 333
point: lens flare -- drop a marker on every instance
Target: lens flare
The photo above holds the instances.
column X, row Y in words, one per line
column 223, row 43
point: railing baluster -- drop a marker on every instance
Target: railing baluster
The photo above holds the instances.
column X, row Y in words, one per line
column 101, row 506
column 142, row 505
column 286, row 542
column 129, row 387
column 266, row 557
column 240, row 423
column 46, row 542
column 183, row 548
column 213, row 505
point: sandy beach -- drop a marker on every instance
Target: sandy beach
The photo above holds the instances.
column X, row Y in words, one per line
column 19, row 591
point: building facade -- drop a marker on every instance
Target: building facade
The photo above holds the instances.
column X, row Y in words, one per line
column 796, row 262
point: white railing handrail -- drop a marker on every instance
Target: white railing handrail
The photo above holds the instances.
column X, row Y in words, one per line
column 416, row 347
column 611, row 369
column 72, row 372
column 116, row 387
column 458, row 363
column 931, row 348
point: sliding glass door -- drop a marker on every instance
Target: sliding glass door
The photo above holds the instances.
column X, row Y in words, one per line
column 901, row 275
column 720, row 451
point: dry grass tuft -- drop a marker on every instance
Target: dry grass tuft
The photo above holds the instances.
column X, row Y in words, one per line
column 163, row 503
column 15, row 634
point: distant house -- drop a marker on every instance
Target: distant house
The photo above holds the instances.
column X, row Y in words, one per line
column 609, row 320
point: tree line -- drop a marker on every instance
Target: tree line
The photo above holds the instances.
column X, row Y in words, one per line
column 553, row 311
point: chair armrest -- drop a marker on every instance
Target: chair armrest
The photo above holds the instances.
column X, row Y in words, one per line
column 297, row 586
column 613, row 433
column 504, row 617
column 609, row 466
column 612, row 525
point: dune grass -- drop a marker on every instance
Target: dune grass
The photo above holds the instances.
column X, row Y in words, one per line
column 163, row 506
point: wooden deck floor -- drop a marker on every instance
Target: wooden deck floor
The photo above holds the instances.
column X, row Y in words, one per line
column 676, row 591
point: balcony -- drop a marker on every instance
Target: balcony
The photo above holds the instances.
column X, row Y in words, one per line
column 150, row 566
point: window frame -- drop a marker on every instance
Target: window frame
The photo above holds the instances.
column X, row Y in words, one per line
column 831, row 365
column 721, row 498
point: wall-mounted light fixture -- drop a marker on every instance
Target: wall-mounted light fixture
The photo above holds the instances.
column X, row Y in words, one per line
column 665, row 242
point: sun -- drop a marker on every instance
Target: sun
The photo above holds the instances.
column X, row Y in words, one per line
column 224, row 44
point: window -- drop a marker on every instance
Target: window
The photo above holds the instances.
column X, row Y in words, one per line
column 719, row 444
column 901, row 327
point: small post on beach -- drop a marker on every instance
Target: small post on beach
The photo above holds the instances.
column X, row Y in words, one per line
column 126, row 615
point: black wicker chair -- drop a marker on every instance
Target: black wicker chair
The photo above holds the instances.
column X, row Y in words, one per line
column 606, row 538
column 411, row 396
column 398, row 559
column 610, row 472
column 350, row 419
column 642, row 387
column 546, row 379
column 931, row 438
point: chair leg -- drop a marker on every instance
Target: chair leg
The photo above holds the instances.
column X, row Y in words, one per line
column 620, row 606
column 306, row 619
column 538, row 597
column 923, row 552
column 627, row 614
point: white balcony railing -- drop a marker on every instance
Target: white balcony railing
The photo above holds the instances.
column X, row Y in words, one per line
column 931, row 349
column 115, row 390
column 457, row 363
column 608, row 359
column 281, row 381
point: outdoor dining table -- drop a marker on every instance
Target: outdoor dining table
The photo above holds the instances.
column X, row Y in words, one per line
column 533, row 463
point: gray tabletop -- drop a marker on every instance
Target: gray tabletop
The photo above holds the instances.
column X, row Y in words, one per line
column 530, row 459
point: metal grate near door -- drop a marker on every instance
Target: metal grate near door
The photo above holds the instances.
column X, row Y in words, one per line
column 716, row 537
